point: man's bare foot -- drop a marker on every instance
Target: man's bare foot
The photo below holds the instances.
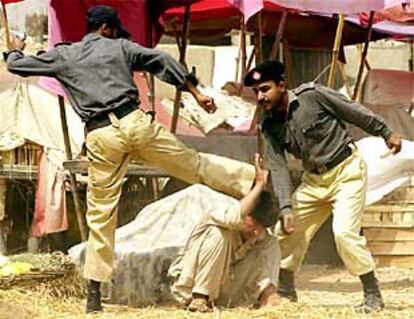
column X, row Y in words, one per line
column 273, row 300
column 200, row 305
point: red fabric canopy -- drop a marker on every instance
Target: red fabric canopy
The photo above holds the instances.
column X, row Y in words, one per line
column 67, row 22
column 10, row 1
column 206, row 10
column 212, row 18
column 67, row 18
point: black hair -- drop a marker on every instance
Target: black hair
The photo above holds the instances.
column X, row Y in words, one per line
column 93, row 25
column 265, row 211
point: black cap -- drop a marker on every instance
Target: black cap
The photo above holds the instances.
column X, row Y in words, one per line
column 105, row 14
column 265, row 212
column 266, row 71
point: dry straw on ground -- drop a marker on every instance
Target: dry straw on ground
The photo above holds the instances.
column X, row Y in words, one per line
column 323, row 293
column 52, row 275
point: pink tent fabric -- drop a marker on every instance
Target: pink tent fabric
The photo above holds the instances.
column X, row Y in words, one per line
column 402, row 13
column 67, row 19
column 212, row 18
column 336, row 6
column 50, row 215
column 251, row 7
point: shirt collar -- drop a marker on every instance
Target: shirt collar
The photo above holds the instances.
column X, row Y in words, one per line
column 292, row 97
column 92, row 36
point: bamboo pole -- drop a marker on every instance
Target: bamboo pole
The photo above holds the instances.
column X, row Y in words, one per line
column 344, row 78
column 151, row 81
column 243, row 47
column 6, row 24
column 73, row 185
column 243, row 51
column 287, row 56
column 279, row 35
column 335, row 51
column 3, row 235
column 258, row 44
column 183, row 49
column 250, row 60
column 363, row 56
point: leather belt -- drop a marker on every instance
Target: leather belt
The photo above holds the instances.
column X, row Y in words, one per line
column 320, row 169
column 102, row 119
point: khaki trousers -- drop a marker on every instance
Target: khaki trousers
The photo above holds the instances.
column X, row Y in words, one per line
column 135, row 136
column 210, row 267
column 341, row 192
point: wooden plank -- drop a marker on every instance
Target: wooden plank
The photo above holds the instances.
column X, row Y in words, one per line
column 335, row 50
column 396, row 261
column 368, row 224
column 402, row 248
column 388, row 208
column 389, row 234
column 389, row 216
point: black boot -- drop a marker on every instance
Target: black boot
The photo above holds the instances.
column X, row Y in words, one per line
column 372, row 294
column 286, row 287
column 93, row 300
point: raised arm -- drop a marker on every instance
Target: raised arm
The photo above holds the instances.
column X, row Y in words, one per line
column 249, row 202
column 167, row 69
column 46, row 64
column 357, row 114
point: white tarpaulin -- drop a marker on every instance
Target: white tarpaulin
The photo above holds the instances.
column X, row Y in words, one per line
column 145, row 247
column 389, row 173
column 231, row 109
column 31, row 113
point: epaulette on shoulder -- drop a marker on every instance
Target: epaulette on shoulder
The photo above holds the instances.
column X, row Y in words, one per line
column 62, row 43
column 304, row 87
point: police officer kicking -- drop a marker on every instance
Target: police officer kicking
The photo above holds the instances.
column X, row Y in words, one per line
column 309, row 122
column 97, row 75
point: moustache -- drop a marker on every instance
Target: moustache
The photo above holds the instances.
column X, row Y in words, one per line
column 262, row 102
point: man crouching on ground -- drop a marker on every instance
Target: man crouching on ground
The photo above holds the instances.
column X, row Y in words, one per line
column 230, row 258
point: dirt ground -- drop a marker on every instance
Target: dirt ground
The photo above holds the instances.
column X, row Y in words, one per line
column 324, row 292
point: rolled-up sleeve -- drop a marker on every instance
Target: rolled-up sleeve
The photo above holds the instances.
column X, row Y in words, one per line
column 158, row 63
column 229, row 216
column 354, row 113
column 45, row 64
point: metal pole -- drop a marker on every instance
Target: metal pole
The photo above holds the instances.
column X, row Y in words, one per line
column 80, row 216
column 183, row 48
column 335, row 51
column 279, row 35
column 364, row 56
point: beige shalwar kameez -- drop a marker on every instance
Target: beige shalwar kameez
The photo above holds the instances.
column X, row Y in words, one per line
column 216, row 262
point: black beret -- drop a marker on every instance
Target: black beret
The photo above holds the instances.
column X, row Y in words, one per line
column 266, row 71
column 106, row 14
